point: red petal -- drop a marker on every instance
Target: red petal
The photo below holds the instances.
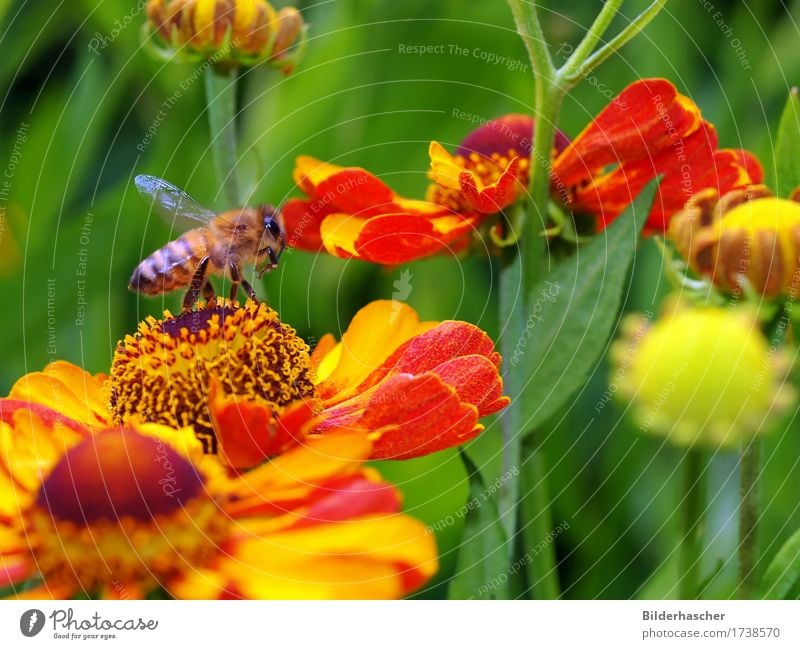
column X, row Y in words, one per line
column 413, row 416
column 248, row 432
column 301, row 222
column 495, row 197
column 349, row 498
column 356, row 191
column 14, row 570
column 644, row 119
column 476, row 380
column 50, row 417
column 399, row 238
column 447, row 340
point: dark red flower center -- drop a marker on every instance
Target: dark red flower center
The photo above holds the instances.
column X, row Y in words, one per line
column 512, row 132
column 117, row 474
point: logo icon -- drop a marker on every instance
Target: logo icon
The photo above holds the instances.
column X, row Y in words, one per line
column 31, row 622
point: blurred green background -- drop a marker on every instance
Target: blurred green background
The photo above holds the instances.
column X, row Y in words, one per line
column 73, row 133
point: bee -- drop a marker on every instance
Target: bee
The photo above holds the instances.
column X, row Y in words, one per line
column 217, row 243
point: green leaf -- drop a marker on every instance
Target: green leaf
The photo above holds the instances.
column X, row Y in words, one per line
column 571, row 314
column 482, row 566
column 784, row 571
column 787, row 162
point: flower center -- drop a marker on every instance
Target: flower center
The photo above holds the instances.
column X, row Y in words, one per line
column 122, row 506
column 116, row 475
column 487, row 169
column 164, row 372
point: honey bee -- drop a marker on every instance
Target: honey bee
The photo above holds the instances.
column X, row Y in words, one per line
column 223, row 242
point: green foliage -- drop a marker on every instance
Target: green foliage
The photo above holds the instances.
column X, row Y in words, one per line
column 482, row 568
column 572, row 311
column 783, row 571
column 357, row 100
column 787, row 145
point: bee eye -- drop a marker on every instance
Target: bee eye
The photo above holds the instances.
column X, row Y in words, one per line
column 273, row 227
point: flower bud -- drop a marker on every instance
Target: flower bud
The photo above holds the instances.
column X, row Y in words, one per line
column 701, row 376
column 227, row 32
column 747, row 235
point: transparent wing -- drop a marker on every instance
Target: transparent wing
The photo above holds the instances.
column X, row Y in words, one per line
column 174, row 205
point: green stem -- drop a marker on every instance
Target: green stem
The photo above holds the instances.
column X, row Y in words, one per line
column 592, row 37
column 578, row 69
column 692, row 512
column 538, row 527
column 749, row 513
column 221, row 101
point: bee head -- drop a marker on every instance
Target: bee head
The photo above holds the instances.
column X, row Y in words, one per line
column 273, row 229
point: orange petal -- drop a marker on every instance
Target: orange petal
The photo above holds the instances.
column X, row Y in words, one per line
column 302, row 221
column 644, row 119
column 373, row 334
column 411, row 416
column 249, row 432
column 287, row 480
column 310, row 172
column 356, row 191
column 476, row 381
column 490, row 199
column 369, row 558
column 68, row 389
column 400, row 238
column 349, row 498
column 445, row 171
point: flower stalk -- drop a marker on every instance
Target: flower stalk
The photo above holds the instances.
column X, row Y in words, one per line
column 692, row 515
column 749, row 514
column 220, row 86
column 525, row 265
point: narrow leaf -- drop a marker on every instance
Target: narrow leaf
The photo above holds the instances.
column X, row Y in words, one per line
column 787, row 162
column 572, row 312
column 784, row 571
column 482, row 565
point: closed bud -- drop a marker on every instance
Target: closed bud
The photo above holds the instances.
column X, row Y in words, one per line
column 746, row 237
column 226, row 32
column 704, row 376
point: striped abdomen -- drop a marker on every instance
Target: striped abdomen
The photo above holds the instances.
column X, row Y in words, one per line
column 170, row 267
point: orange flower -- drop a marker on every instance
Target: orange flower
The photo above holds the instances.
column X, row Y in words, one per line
column 247, row 384
column 118, row 513
column 351, row 213
column 648, row 130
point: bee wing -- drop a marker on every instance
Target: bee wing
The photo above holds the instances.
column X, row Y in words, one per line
column 174, row 205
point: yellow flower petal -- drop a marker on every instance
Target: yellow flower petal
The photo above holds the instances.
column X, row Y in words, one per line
column 374, row 333
column 444, row 169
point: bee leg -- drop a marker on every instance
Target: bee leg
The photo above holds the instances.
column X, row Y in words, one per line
column 236, row 278
column 273, row 258
column 208, row 293
column 198, row 281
